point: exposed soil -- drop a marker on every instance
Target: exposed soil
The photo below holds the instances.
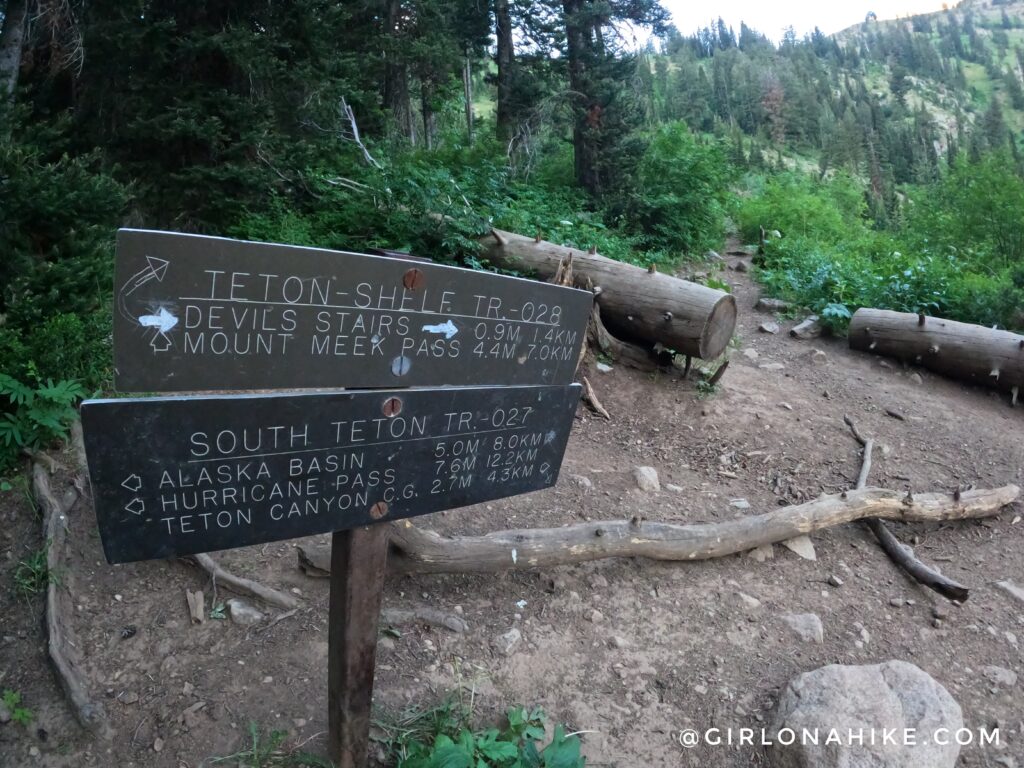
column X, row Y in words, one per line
column 630, row 650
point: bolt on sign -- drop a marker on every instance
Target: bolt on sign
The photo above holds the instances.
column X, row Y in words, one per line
column 414, row 431
column 176, row 476
column 202, row 313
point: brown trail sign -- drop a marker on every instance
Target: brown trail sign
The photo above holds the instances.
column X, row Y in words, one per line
column 176, row 476
column 201, row 313
column 182, row 475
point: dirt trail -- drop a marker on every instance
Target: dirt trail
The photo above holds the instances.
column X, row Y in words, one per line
column 632, row 650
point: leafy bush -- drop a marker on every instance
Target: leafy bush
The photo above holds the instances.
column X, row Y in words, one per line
column 35, row 416
column 520, row 745
column 682, row 189
column 798, row 206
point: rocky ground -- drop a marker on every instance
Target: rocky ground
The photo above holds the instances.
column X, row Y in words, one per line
column 630, row 651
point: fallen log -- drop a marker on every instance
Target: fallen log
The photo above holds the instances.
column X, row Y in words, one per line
column 961, row 350
column 635, row 303
column 417, row 550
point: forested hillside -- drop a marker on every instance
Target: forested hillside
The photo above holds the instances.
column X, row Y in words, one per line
column 886, row 159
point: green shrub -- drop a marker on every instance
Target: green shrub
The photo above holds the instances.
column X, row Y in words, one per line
column 34, row 417
column 682, row 189
column 800, row 207
column 447, row 742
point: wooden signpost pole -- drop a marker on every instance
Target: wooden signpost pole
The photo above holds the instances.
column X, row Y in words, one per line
column 358, row 564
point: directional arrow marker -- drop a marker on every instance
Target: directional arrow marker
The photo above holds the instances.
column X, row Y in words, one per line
column 160, row 343
column 133, row 483
column 136, row 506
column 448, row 328
column 158, row 267
column 162, row 320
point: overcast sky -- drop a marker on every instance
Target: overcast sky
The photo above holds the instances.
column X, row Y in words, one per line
column 772, row 16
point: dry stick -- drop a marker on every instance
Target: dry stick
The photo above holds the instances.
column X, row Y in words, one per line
column 89, row 713
column 416, row 550
column 242, row 585
column 898, row 552
column 590, row 398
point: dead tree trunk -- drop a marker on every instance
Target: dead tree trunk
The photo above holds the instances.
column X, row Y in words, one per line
column 961, row 350
column 635, row 303
column 12, row 38
column 417, row 550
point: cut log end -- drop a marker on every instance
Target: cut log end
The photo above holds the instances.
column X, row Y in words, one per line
column 718, row 329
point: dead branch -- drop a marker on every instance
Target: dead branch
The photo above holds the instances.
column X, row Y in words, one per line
column 898, row 552
column 616, row 350
column 242, row 585
column 352, row 134
column 590, row 398
column 88, row 712
column 416, row 550
column 430, row 616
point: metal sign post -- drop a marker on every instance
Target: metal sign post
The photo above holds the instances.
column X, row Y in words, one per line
column 181, row 475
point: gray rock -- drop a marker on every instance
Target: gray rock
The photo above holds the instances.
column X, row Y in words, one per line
column 749, row 601
column 750, row 353
column 673, row 488
column 604, row 368
column 739, row 266
column 596, row 616
column 646, row 478
column 771, row 305
column 816, row 356
column 508, row 642
column 916, row 378
column 5, row 713
column 582, row 481
column 620, row 642
column 801, row 545
column 808, row 329
column 1000, row 675
column 243, row 613
column 739, row 503
column 894, row 695
column 712, row 256
column 769, row 327
column 835, row 581
column 762, row 553
column 771, row 366
column 806, row 625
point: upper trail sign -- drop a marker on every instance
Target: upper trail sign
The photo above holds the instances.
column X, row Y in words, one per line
column 208, row 313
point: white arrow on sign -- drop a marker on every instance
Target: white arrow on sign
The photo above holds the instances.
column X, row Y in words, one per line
column 133, row 483
column 155, row 269
column 136, row 506
column 447, row 328
column 163, row 320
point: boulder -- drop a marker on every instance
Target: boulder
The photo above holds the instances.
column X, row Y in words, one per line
column 646, row 478
column 879, row 698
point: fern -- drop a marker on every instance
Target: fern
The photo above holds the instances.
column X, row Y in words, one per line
column 35, row 416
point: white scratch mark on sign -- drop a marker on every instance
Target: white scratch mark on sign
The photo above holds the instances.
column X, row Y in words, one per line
column 163, row 320
column 447, row 328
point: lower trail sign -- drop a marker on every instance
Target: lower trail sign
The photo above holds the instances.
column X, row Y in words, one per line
column 182, row 475
column 177, row 476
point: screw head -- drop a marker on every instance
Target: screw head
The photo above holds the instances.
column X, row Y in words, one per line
column 392, row 406
column 413, row 279
column 378, row 510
